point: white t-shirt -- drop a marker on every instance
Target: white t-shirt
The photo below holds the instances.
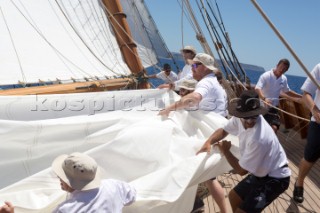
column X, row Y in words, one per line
column 172, row 77
column 309, row 87
column 214, row 97
column 261, row 153
column 272, row 86
column 110, row 197
column 185, row 74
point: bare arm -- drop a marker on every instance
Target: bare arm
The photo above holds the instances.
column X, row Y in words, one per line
column 291, row 95
column 307, row 99
column 262, row 97
column 224, row 147
column 152, row 76
column 218, row 135
column 192, row 99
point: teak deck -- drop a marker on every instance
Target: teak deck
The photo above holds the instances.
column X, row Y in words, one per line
column 294, row 146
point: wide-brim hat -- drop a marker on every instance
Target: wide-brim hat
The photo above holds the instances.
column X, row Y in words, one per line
column 206, row 60
column 190, row 48
column 248, row 105
column 188, row 84
column 79, row 171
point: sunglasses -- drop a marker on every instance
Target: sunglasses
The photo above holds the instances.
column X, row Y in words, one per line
column 195, row 65
column 251, row 117
column 187, row 51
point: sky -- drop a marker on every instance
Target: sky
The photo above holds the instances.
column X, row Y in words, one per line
column 253, row 41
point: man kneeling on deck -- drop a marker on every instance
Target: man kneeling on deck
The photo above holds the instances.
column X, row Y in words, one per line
column 261, row 155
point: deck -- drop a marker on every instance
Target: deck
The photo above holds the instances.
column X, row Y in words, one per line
column 294, row 147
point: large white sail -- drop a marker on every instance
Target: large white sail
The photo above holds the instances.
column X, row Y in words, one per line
column 50, row 40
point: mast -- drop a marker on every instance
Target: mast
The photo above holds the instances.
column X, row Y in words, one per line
column 123, row 34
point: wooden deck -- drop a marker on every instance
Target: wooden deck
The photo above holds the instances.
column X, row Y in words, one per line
column 294, row 146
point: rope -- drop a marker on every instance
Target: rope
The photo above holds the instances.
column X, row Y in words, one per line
column 14, row 47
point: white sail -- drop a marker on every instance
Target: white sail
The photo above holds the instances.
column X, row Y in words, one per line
column 49, row 40
column 131, row 143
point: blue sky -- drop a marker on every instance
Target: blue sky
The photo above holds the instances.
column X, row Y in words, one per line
column 252, row 39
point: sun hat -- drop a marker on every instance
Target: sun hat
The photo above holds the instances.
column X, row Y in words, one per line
column 248, row 105
column 206, row 60
column 79, row 171
column 190, row 48
column 188, row 84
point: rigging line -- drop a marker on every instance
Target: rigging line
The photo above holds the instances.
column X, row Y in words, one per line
column 215, row 38
column 224, row 33
column 30, row 19
column 286, row 44
column 88, row 23
column 83, row 40
column 199, row 34
column 218, row 38
column 89, row 61
column 42, row 36
column 182, row 3
column 14, row 47
column 77, row 32
column 160, row 36
column 219, row 13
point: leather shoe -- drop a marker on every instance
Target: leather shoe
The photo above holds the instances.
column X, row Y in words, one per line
column 298, row 194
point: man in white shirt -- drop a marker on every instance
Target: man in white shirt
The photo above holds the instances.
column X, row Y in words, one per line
column 261, row 155
column 188, row 53
column 167, row 75
column 79, row 175
column 312, row 148
column 207, row 96
column 269, row 87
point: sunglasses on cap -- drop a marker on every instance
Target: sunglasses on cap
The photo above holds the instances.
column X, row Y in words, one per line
column 195, row 65
column 251, row 117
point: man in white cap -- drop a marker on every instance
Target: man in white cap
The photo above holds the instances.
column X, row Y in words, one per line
column 80, row 175
column 188, row 53
column 208, row 94
column 187, row 86
column 261, row 155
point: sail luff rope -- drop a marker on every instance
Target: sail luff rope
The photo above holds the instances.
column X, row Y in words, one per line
column 285, row 42
column 14, row 47
column 63, row 13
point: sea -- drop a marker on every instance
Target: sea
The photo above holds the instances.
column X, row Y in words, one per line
column 252, row 71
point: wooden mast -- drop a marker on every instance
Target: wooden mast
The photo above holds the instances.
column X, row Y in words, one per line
column 123, row 35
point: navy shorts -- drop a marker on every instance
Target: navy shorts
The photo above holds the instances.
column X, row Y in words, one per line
column 272, row 117
column 257, row 193
column 312, row 148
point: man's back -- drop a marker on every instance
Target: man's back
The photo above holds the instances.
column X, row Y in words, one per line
column 110, row 197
